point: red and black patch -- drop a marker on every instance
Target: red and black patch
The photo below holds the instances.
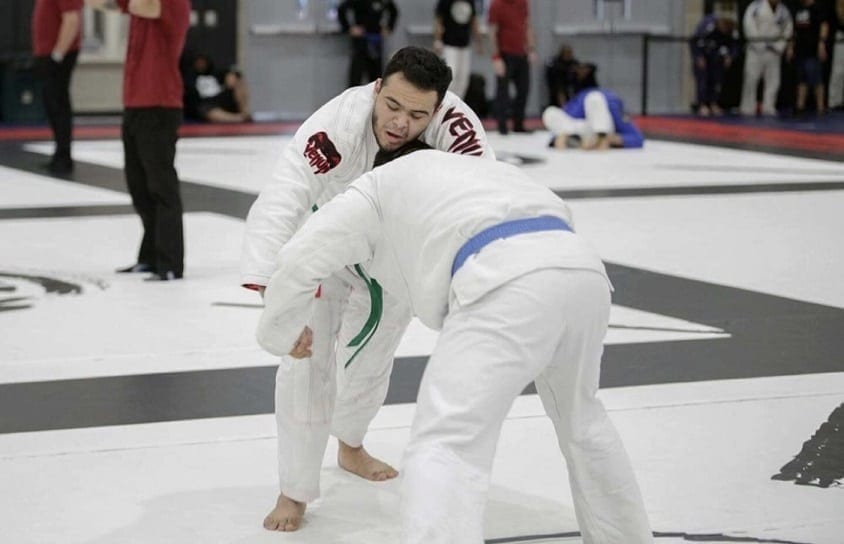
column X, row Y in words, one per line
column 321, row 153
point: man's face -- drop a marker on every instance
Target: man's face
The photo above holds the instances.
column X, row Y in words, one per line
column 402, row 112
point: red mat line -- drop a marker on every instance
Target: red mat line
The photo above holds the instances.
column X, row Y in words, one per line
column 113, row 131
column 720, row 133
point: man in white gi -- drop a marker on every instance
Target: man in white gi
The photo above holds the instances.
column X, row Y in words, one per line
column 481, row 252
column 767, row 27
column 332, row 148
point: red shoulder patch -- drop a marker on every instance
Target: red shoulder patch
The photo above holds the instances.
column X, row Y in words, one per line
column 321, row 153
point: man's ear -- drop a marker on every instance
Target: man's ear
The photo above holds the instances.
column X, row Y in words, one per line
column 378, row 86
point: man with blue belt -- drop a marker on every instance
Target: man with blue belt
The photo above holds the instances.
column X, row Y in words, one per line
column 479, row 251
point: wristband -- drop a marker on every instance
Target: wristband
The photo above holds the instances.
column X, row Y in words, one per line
column 496, row 56
column 56, row 56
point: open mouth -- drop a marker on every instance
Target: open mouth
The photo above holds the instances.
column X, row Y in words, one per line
column 394, row 137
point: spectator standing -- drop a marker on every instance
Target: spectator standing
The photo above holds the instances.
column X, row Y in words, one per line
column 560, row 76
column 56, row 28
column 455, row 25
column 368, row 22
column 512, row 41
column 768, row 28
column 836, row 78
column 152, row 102
column 714, row 46
column 810, row 33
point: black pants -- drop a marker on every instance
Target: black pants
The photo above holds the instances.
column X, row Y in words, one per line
column 55, row 81
column 517, row 72
column 367, row 57
column 149, row 147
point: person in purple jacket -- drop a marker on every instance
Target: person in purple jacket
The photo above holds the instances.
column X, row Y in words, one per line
column 593, row 119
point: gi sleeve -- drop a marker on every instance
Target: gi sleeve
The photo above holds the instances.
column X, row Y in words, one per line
column 310, row 161
column 455, row 128
column 343, row 232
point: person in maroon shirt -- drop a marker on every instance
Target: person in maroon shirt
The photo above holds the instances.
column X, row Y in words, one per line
column 55, row 45
column 152, row 101
column 512, row 42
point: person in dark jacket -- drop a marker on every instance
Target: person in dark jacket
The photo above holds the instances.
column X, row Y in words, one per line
column 714, row 47
column 368, row 23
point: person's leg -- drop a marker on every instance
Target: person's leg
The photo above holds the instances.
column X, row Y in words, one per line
column 304, row 403
column 700, row 87
column 156, row 140
column 502, row 98
column 819, row 98
column 836, row 77
column 771, row 76
column 598, row 116
column 802, row 87
column 363, row 384
column 136, row 182
column 459, row 59
column 717, row 71
column 752, row 73
column 814, row 80
column 376, row 60
column 486, row 354
column 64, row 109
column 357, row 62
column 46, row 70
column 559, row 122
column 521, row 77
column 607, row 500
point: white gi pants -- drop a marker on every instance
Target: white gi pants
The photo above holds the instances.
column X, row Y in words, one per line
column 310, row 404
column 459, row 59
column 597, row 118
column 549, row 326
column 764, row 65
column 836, row 77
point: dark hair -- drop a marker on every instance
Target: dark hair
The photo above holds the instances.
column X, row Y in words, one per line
column 586, row 78
column 422, row 68
column 383, row 157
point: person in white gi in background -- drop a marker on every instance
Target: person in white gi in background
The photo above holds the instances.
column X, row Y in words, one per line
column 768, row 27
column 483, row 253
column 333, row 147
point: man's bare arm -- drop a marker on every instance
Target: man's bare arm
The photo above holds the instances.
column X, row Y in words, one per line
column 68, row 31
column 148, row 9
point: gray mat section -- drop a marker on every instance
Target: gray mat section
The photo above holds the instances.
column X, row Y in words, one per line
column 771, row 336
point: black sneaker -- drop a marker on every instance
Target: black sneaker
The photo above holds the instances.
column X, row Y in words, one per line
column 136, row 269
column 167, row 275
column 60, row 167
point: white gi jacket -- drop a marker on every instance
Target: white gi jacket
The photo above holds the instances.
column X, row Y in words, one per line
column 761, row 22
column 406, row 221
column 330, row 150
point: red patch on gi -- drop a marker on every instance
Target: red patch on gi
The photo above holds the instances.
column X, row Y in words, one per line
column 321, row 153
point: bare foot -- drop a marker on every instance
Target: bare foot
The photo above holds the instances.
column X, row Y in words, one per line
column 358, row 461
column 286, row 516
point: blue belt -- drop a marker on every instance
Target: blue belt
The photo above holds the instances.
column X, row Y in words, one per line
column 505, row 230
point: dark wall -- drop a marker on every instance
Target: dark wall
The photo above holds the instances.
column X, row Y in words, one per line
column 215, row 31
column 15, row 39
